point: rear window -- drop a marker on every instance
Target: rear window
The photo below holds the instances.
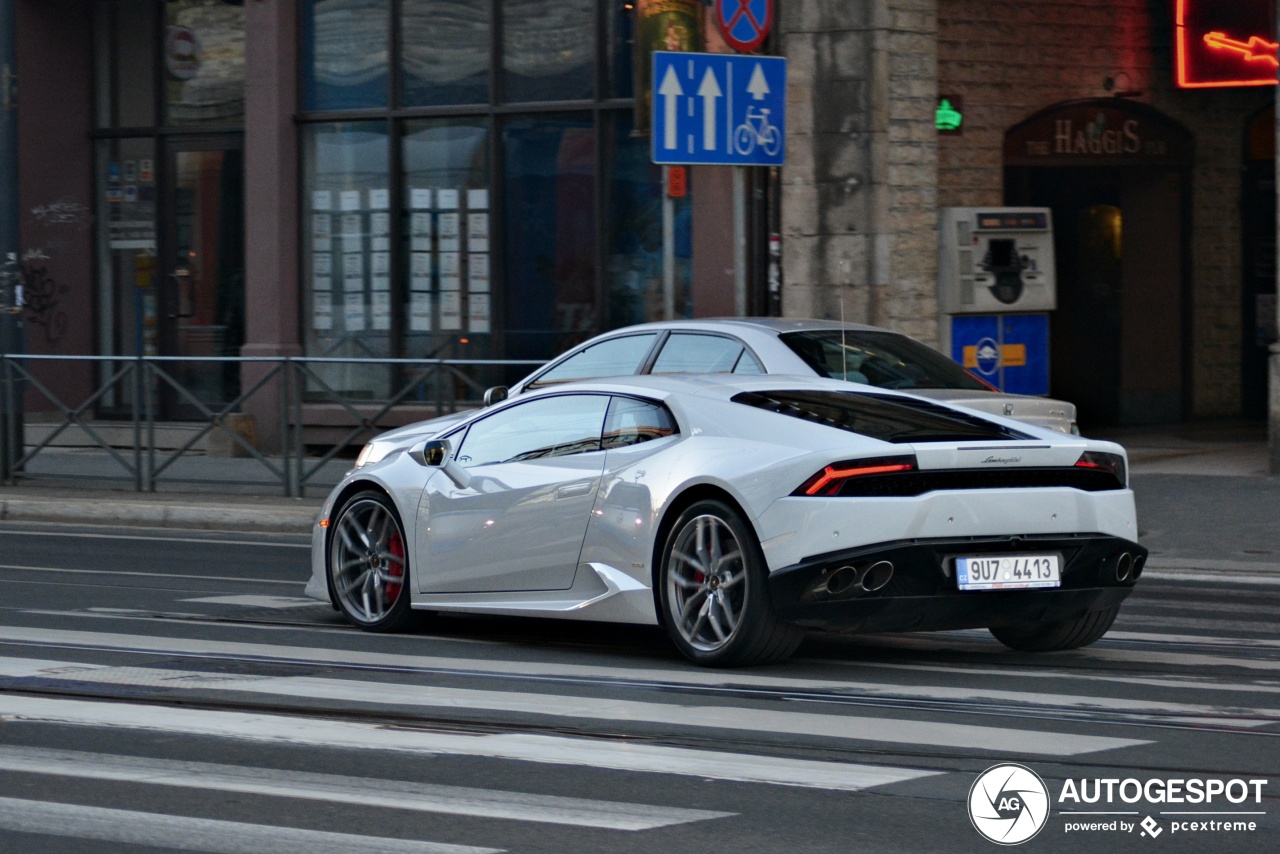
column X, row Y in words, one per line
column 882, row 359
column 880, row 416
column 613, row 357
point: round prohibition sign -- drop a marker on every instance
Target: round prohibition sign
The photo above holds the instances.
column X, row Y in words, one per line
column 745, row 24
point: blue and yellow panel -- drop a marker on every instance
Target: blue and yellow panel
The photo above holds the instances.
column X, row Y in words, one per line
column 1009, row 351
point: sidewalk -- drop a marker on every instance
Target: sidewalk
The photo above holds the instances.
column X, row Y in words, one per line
column 1205, row 501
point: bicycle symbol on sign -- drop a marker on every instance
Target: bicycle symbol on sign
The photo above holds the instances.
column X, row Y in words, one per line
column 756, row 130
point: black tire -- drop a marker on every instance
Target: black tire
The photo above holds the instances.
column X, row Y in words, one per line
column 1051, row 637
column 368, row 564
column 713, row 591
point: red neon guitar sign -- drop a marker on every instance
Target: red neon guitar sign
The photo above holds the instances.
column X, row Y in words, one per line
column 1255, row 49
column 1222, row 44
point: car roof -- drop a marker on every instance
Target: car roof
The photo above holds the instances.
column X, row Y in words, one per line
column 777, row 325
column 718, row 385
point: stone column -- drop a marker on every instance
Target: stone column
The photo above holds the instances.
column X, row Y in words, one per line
column 859, row 191
column 271, row 193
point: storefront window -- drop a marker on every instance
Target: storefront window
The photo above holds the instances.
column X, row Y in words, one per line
column 549, row 49
column 347, row 252
column 550, row 228
column 620, row 28
column 344, row 54
column 634, row 284
column 203, row 62
column 444, row 52
column 447, row 236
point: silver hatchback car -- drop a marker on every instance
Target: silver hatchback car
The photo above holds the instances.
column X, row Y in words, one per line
column 765, row 345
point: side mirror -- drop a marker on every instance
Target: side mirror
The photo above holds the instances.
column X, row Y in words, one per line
column 438, row 453
column 497, row 394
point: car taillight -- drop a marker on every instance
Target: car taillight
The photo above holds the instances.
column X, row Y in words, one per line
column 829, row 480
column 1099, row 461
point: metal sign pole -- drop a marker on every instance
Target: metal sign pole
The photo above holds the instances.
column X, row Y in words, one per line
column 10, row 291
column 668, row 247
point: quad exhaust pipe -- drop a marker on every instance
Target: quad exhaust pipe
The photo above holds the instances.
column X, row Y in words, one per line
column 849, row 580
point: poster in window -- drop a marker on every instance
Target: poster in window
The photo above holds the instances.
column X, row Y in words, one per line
column 322, row 200
column 477, row 199
column 477, row 232
column 420, row 272
column 351, row 200
column 379, row 199
column 447, row 200
column 450, row 272
column 352, row 231
column 419, row 312
column 353, row 311
column 420, row 199
column 478, row 273
column 322, row 310
column 381, row 311
column 420, row 232
column 379, row 230
column 353, row 272
column 321, row 271
column 478, row 312
column 380, row 270
column 450, row 310
column 449, row 226
column 321, row 227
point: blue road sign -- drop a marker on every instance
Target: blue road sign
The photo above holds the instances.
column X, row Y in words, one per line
column 719, row 108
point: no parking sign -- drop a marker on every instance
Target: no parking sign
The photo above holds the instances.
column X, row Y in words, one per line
column 745, row 24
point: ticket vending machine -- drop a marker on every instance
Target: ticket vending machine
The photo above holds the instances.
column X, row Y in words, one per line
column 996, row 285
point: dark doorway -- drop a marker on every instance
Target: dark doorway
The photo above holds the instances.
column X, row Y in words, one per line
column 202, row 286
column 1115, row 176
column 1258, row 289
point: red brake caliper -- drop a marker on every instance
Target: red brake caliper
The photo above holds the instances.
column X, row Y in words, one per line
column 396, row 548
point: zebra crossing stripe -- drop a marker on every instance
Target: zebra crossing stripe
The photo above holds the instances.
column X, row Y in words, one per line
column 388, row 794
column 554, row 750
column 131, row 827
column 734, row 718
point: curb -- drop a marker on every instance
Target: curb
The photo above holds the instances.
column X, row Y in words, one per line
column 204, row 517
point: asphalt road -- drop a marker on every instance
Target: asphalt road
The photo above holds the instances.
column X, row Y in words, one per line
column 174, row 691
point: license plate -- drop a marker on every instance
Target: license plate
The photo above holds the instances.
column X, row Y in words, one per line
column 1007, row 572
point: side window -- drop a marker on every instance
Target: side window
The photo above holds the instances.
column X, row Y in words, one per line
column 632, row 421
column 550, row 427
column 617, row 357
column 747, row 364
column 697, row 354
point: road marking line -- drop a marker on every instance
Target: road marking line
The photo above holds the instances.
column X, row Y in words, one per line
column 200, row 834
column 250, row 601
column 737, row 718
column 168, row 575
column 554, row 750
column 549, row 670
column 390, row 794
column 165, row 539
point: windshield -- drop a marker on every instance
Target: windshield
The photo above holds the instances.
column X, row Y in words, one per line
column 883, row 359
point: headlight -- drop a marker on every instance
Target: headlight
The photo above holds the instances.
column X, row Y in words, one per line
column 372, row 453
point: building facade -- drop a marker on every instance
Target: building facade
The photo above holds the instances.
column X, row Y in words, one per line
column 438, row 178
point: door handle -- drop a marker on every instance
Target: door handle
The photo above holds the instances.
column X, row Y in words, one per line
column 181, row 277
column 573, row 490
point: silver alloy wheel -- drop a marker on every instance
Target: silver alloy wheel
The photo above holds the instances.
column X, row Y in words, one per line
column 367, row 561
column 706, row 582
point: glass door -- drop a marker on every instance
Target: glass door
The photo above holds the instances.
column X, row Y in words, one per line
column 202, row 275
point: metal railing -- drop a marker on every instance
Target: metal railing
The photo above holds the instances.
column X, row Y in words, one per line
column 210, row 397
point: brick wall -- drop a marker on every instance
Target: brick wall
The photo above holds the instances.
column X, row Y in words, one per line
column 859, row 200
column 1011, row 59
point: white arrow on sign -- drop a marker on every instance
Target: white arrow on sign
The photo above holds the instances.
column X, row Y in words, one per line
column 708, row 92
column 757, row 85
column 670, row 90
